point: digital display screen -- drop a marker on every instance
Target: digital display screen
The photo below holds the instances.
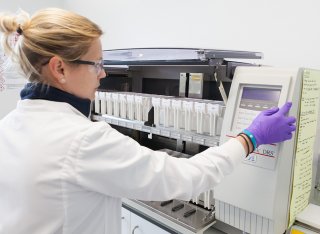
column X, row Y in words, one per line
column 253, row 101
column 263, row 94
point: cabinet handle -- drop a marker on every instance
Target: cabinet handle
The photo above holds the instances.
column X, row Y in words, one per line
column 122, row 217
column 136, row 227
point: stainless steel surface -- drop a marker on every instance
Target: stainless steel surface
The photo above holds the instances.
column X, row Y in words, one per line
column 195, row 222
column 224, row 228
column 185, row 214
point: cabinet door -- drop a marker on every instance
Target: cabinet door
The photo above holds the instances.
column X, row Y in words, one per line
column 125, row 221
column 142, row 226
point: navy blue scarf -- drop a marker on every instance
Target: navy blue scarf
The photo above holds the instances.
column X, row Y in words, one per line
column 45, row 92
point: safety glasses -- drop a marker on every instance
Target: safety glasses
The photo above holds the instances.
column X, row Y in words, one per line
column 98, row 65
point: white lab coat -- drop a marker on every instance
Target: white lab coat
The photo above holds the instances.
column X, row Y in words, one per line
column 62, row 173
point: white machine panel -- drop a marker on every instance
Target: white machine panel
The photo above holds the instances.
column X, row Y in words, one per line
column 262, row 181
column 253, row 100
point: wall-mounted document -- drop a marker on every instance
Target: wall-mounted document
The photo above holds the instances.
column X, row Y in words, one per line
column 307, row 126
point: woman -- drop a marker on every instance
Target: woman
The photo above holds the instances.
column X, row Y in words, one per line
column 62, row 173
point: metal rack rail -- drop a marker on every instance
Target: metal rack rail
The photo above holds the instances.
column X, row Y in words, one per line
column 162, row 131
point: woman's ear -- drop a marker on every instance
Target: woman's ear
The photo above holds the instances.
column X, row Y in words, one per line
column 57, row 69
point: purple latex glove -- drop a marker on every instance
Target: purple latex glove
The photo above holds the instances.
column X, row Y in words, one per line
column 272, row 125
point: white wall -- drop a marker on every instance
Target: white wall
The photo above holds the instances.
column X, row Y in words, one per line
column 28, row 5
column 286, row 31
column 13, row 81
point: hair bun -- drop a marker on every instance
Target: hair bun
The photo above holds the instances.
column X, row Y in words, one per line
column 8, row 23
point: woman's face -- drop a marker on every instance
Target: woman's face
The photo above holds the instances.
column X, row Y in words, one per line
column 84, row 79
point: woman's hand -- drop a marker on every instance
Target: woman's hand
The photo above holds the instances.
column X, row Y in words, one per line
column 272, row 125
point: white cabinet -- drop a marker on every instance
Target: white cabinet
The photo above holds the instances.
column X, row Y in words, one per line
column 134, row 224
column 125, row 221
column 142, row 226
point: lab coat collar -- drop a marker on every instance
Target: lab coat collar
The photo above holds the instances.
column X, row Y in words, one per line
column 49, row 93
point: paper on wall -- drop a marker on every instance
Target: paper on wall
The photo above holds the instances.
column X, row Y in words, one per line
column 307, row 126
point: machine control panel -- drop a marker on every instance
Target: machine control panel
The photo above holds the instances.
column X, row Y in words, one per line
column 252, row 100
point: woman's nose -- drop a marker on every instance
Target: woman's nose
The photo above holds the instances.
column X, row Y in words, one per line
column 102, row 74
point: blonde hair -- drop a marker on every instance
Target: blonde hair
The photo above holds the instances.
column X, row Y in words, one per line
column 49, row 32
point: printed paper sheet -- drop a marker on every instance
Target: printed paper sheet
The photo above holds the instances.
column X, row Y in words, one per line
column 307, row 123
